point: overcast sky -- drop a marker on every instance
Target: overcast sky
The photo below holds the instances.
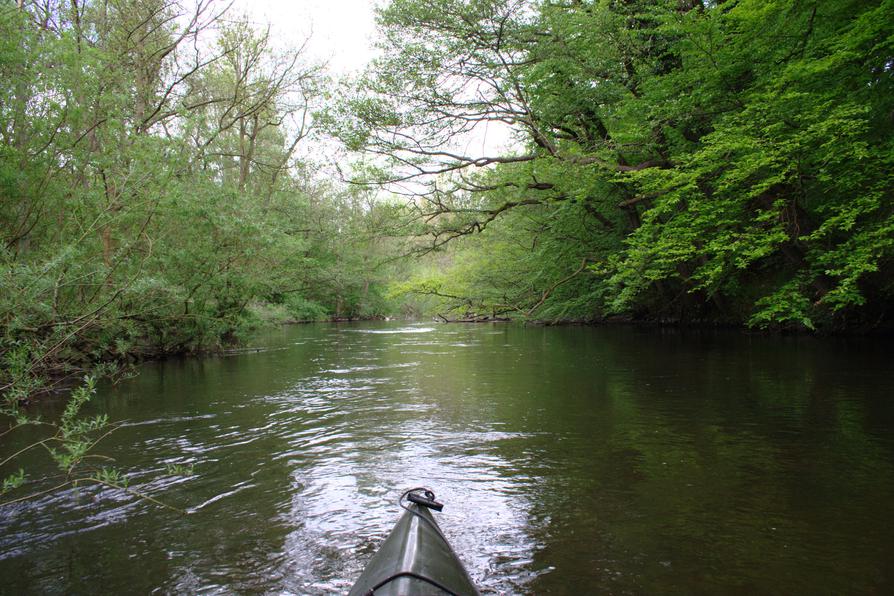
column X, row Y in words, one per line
column 341, row 30
column 341, row 34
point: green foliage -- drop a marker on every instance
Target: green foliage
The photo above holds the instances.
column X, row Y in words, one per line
column 714, row 161
column 179, row 469
column 72, row 439
column 788, row 305
column 301, row 309
column 73, row 434
column 149, row 196
column 13, row 481
column 111, row 476
column 153, row 198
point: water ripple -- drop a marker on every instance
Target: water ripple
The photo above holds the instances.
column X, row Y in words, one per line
column 567, row 464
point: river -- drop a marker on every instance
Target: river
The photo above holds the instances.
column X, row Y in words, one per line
column 571, row 460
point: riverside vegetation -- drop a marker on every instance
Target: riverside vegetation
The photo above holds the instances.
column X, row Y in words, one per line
column 680, row 160
column 153, row 200
column 676, row 160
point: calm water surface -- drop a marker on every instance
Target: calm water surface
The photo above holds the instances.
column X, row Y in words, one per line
column 571, row 460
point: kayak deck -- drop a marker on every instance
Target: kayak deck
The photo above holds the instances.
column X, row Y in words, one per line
column 414, row 559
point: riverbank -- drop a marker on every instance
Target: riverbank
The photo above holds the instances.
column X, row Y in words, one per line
column 875, row 330
column 47, row 358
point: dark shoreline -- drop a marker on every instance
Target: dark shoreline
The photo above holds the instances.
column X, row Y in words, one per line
column 693, row 325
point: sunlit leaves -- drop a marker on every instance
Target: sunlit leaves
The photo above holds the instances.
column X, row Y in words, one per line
column 735, row 158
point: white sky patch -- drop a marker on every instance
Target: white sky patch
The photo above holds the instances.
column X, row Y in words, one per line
column 341, row 31
column 342, row 34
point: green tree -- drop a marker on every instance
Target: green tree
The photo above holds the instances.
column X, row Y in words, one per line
column 731, row 161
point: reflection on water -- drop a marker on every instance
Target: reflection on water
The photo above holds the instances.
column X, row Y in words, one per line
column 409, row 329
column 570, row 460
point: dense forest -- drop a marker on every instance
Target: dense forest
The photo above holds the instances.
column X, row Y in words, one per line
column 156, row 192
column 683, row 160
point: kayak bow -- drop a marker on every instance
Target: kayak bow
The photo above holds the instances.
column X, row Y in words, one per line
column 415, row 558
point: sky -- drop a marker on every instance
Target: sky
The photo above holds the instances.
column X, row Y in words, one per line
column 342, row 34
column 341, row 31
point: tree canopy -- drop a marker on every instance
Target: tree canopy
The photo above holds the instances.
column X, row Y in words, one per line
column 722, row 161
column 154, row 194
column 680, row 160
